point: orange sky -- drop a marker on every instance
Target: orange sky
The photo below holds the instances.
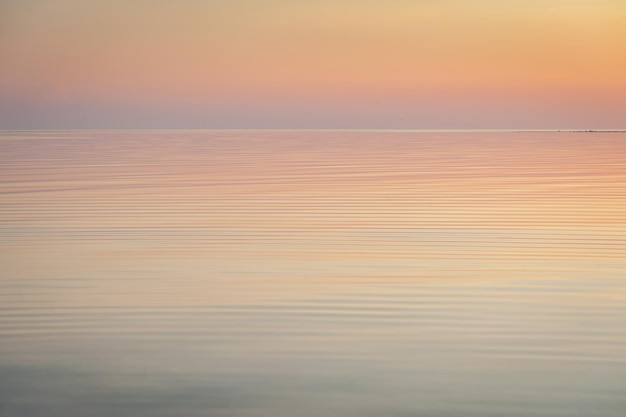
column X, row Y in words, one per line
column 280, row 63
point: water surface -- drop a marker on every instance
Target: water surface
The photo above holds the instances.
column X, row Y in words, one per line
column 312, row 274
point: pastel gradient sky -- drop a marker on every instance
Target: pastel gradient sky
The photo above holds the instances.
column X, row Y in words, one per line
column 450, row 64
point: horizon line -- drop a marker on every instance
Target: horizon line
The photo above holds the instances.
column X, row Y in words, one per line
column 587, row 130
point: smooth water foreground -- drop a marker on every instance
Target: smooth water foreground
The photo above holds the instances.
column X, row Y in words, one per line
column 312, row 274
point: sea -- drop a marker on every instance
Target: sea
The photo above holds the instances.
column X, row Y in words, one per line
column 312, row 273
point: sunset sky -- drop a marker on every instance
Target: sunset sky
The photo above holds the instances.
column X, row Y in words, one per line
column 423, row 64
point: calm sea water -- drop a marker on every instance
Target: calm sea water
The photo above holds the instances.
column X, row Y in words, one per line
column 312, row 274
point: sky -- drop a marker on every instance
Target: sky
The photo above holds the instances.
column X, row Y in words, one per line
column 383, row 64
